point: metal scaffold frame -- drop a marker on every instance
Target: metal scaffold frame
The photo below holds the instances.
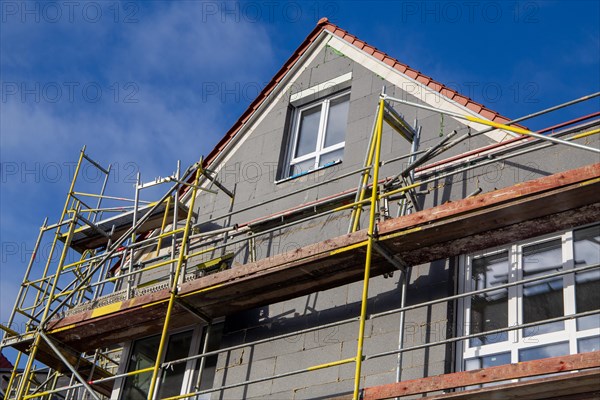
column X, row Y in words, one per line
column 74, row 293
column 78, row 283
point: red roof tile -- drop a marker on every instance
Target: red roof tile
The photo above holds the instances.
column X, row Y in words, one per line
column 489, row 114
column 323, row 25
column 424, row 79
column 389, row 61
column 369, row 49
column 459, row 98
column 471, row 105
column 400, row 67
column 379, row 55
column 435, row 86
column 501, row 120
column 445, row 91
column 411, row 72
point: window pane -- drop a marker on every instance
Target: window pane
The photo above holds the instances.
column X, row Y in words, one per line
column 487, row 361
column 302, row 167
column 143, row 355
column 178, row 347
column 308, row 131
column 588, row 344
column 551, row 350
column 489, row 310
column 337, row 120
column 542, row 299
column 587, row 295
column 330, row 157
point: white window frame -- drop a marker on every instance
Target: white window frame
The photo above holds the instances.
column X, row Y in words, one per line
column 320, row 150
column 516, row 340
column 190, row 367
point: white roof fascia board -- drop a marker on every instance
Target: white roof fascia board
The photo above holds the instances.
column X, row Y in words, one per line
column 411, row 86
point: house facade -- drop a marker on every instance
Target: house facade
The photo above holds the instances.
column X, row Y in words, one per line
column 483, row 245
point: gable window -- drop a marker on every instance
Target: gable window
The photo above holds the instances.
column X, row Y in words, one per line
column 318, row 134
column 537, row 301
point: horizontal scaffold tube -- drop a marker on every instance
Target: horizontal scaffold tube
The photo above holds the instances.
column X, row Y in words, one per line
column 495, row 125
column 355, row 319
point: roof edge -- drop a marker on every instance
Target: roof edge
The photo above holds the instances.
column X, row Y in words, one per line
column 322, row 25
column 266, row 91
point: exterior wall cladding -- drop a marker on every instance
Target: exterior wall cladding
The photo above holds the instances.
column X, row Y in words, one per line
column 253, row 172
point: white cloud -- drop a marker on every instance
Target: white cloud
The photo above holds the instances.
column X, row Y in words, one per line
column 168, row 55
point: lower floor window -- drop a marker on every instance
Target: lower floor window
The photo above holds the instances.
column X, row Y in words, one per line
column 178, row 378
column 143, row 355
column 537, row 301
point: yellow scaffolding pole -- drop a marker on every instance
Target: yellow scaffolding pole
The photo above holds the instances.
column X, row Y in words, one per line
column 584, row 134
column 173, row 294
column 31, row 357
column 370, row 241
column 26, row 382
column 309, row 369
column 13, row 374
column 355, row 218
column 162, row 226
column 62, row 218
column 417, row 184
column 50, row 282
column 496, row 125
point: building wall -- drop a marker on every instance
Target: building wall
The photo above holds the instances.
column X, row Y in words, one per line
column 252, row 173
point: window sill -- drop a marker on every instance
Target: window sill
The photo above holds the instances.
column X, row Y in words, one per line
column 300, row 175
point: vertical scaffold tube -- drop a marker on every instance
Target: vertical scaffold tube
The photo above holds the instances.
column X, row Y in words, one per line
column 371, row 232
column 163, row 225
column 173, row 294
column 364, row 179
column 23, row 385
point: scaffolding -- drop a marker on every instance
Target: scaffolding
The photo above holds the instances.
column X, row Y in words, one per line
column 114, row 254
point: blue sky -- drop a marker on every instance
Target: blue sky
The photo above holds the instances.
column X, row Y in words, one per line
column 145, row 84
